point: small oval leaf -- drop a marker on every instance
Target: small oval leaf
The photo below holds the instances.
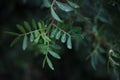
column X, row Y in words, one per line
column 21, row 28
column 40, row 26
column 31, row 37
column 63, row 39
column 58, row 35
column 36, row 34
column 34, row 25
column 55, row 55
column 52, row 35
column 37, row 39
column 25, row 41
column 50, row 63
column 27, row 25
column 69, row 43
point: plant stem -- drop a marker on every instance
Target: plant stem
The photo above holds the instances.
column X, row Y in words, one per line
column 53, row 3
column 61, row 30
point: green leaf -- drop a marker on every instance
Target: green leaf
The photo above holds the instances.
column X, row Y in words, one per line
column 64, row 7
column 27, row 25
column 69, row 43
column 36, row 34
column 43, row 48
column 54, row 15
column 52, row 35
column 47, row 38
column 15, row 41
column 50, row 63
column 74, row 5
column 63, row 39
column 37, row 39
column 55, row 55
column 58, row 35
column 31, row 37
column 34, row 25
column 25, row 42
column 12, row 33
column 40, row 26
column 46, row 3
column 55, row 46
column 21, row 28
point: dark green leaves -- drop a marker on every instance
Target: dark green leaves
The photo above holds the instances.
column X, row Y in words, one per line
column 39, row 34
column 63, row 6
column 55, row 55
column 54, row 15
column 63, row 36
column 25, row 42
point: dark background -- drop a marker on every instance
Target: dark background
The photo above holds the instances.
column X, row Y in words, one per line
column 16, row 64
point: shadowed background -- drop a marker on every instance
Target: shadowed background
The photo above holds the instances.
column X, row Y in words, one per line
column 16, row 64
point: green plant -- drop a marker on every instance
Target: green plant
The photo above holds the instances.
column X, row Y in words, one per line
column 45, row 34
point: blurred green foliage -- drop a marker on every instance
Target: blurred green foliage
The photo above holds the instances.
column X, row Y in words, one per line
column 96, row 57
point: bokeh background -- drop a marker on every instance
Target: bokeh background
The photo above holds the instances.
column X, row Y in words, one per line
column 16, row 64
